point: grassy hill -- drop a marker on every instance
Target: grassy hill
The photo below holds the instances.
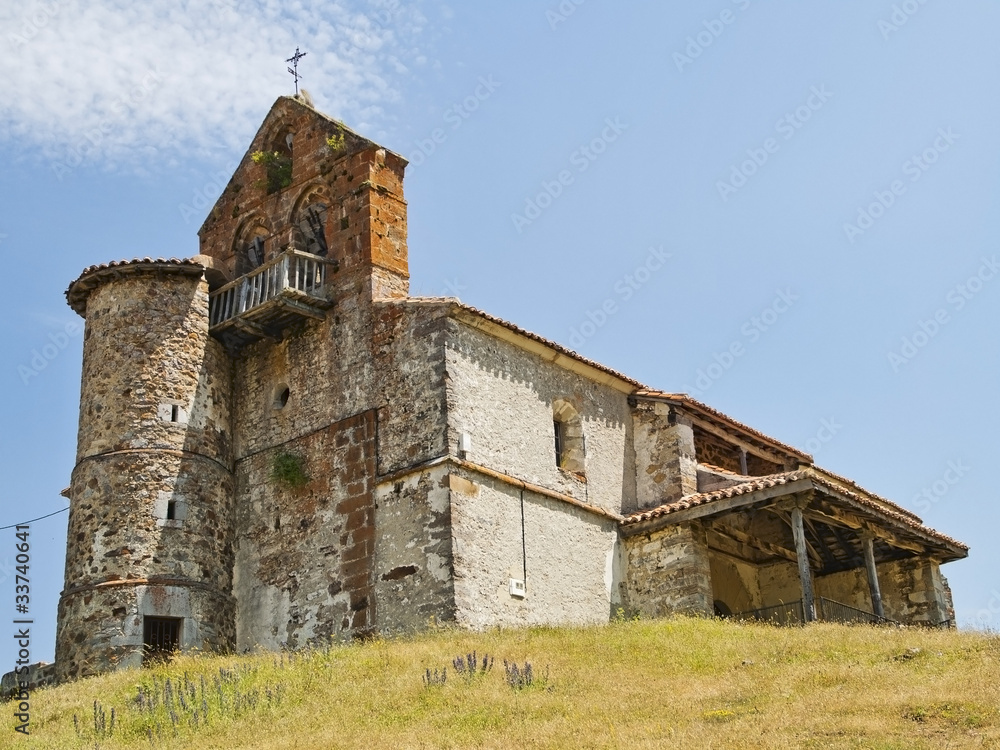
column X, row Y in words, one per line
column 681, row 683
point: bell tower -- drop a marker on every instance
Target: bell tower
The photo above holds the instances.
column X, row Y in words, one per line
column 309, row 189
column 199, row 374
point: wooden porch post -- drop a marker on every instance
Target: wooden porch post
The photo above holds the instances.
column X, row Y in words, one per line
column 805, row 574
column 868, row 543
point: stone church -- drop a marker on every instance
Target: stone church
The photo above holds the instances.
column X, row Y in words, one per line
column 279, row 446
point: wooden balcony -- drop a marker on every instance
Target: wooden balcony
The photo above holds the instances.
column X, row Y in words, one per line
column 261, row 304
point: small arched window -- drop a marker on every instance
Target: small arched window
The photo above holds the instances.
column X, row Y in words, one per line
column 312, row 225
column 567, row 430
column 277, row 162
column 251, row 247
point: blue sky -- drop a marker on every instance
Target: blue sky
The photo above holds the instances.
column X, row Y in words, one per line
column 785, row 209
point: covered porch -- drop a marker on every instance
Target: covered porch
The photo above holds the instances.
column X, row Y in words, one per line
column 793, row 547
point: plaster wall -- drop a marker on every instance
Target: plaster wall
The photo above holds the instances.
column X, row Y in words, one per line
column 502, row 397
column 567, row 557
column 413, row 576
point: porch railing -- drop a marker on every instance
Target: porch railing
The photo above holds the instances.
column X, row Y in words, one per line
column 293, row 271
column 832, row 611
column 786, row 613
column 827, row 610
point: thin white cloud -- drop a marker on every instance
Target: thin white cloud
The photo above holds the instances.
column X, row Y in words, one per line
column 118, row 81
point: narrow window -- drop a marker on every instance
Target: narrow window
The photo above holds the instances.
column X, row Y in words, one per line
column 160, row 638
column 559, row 429
column 567, row 429
column 175, row 413
column 171, row 510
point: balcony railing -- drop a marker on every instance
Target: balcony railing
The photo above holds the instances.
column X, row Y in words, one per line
column 262, row 303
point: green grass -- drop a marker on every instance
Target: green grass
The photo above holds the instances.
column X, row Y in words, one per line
column 681, row 683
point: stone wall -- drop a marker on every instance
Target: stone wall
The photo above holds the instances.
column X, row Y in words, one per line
column 101, row 628
column 567, row 557
column 502, row 397
column 713, row 450
column 146, row 345
column 779, row 584
column 735, row 583
column 848, row 587
column 410, row 383
column 414, row 572
column 387, row 356
column 305, row 554
column 150, row 529
column 668, row 572
column 387, row 361
column 665, row 463
column 913, row 591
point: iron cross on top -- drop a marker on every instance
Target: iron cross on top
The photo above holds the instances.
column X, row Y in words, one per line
column 294, row 60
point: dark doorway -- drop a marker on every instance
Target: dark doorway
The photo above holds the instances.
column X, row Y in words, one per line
column 160, row 638
column 722, row 609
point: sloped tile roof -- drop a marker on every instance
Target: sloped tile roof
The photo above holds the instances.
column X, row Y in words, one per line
column 858, row 495
column 79, row 289
column 684, row 400
column 704, row 498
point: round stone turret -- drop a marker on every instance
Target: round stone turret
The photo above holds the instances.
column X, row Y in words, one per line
column 149, row 557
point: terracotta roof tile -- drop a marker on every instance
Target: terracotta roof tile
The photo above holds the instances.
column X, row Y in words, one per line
column 860, row 496
column 854, row 486
column 682, row 399
column 79, row 289
column 704, row 498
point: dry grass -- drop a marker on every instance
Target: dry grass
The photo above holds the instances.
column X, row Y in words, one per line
column 677, row 683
